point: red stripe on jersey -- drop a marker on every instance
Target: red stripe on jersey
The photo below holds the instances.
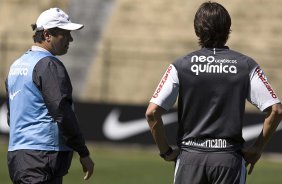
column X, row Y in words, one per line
column 164, row 79
column 263, row 79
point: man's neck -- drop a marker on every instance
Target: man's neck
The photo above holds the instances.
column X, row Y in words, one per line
column 44, row 46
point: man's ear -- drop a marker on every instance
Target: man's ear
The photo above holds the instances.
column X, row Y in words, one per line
column 47, row 35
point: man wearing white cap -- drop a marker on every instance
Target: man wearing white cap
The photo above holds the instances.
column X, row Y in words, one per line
column 44, row 129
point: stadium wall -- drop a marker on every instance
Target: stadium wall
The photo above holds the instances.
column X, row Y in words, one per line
column 126, row 124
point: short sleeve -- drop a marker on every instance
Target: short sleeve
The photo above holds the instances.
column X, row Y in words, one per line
column 261, row 94
column 167, row 91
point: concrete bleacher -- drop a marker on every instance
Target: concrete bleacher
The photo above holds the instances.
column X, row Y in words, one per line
column 16, row 34
column 140, row 41
column 143, row 37
column 16, row 16
column 126, row 45
column 93, row 15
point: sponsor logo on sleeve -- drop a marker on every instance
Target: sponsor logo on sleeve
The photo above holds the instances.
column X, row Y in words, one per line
column 264, row 80
column 164, row 79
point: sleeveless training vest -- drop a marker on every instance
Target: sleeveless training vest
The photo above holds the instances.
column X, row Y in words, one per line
column 31, row 126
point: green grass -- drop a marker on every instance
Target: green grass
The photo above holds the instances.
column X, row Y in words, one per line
column 124, row 166
column 138, row 165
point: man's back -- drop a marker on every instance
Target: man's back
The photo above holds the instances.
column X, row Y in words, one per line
column 214, row 85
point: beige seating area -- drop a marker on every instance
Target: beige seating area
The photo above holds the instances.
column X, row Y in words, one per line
column 141, row 38
column 16, row 16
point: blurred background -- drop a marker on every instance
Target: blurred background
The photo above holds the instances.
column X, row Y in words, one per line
column 118, row 58
column 126, row 45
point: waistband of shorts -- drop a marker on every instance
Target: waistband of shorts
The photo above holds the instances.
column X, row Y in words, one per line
column 210, row 144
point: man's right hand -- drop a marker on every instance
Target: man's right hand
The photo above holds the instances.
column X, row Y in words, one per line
column 251, row 156
column 87, row 166
column 173, row 156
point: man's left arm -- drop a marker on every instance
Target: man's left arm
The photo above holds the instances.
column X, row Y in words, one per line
column 252, row 154
column 163, row 99
column 264, row 98
column 153, row 116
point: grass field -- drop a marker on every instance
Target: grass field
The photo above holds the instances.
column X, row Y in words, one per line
column 139, row 165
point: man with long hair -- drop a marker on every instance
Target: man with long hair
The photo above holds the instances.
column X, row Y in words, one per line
column 212, row 85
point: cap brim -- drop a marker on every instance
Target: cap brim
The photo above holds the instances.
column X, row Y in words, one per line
column 71, row 26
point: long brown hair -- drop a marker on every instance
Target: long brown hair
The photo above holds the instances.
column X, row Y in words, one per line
column 212, row 25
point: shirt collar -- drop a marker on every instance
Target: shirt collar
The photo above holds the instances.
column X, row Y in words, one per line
column 37, row 48
column 217, row 48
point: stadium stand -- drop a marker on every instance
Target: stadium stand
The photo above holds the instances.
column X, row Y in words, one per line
column 16, row 16
column 127, row 44
column 141, row 39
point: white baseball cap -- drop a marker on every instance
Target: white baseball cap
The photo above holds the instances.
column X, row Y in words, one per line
column 55, row 17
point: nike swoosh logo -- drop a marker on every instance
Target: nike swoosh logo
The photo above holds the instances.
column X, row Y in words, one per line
column 12, row 95
column 116, row 130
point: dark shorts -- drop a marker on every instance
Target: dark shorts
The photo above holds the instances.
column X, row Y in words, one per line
column 32, row 167
column 210, row 168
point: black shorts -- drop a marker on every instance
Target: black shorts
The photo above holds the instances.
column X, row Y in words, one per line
column 210, row 168
column 32, row 166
